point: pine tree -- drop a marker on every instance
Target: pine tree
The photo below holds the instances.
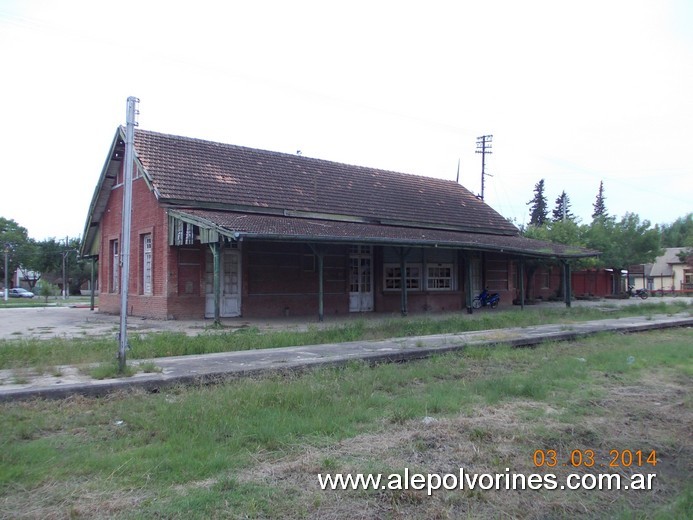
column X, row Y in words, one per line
column 599, row 205
column 538, row 210
column 561, row 201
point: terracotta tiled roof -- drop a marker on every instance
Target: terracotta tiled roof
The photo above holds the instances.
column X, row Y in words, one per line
column 204, row 174
column 239, row 226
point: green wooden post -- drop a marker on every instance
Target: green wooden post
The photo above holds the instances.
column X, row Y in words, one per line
column 320, row 255
column 216, row 253
column 522, row 283
column 321, row 286
column 567, row 285
column 91, row 301
column 403, row 280
column 468, row 282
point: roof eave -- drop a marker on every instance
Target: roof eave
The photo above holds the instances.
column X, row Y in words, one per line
column 240, row 236
column 92, row 223
column 183, row 204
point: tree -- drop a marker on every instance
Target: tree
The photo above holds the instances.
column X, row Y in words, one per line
column 566, row 232
column 47, row 259
column 562, row 206
column 623, row 243
column 79, row 271
column 680, row 234
column 15, row 240
column 599, row 204
column 538, row 209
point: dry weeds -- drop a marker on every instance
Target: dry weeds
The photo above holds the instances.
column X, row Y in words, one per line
column 650, row 415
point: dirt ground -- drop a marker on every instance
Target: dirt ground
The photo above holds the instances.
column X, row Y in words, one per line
column 79, row 321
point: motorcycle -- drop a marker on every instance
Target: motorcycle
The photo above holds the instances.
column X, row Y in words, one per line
column 484, row 299
column 642, row 293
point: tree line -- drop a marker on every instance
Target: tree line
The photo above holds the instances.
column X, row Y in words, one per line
column 623, row 241
column 41, row 260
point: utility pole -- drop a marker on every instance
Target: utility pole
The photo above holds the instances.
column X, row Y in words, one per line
column 64, row 281
column 65, row 253
column 483, row 146
column 127, row 224
column 7, row 252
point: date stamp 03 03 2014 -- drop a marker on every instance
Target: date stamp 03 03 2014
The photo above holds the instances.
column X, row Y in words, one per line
column 589, row 459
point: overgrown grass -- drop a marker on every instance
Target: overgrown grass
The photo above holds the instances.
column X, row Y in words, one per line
column 110, row 369
column 156, row 443
column 32, row 353
column 40, row 301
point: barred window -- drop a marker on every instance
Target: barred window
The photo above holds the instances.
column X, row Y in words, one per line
column 115, row 266
column 147, row 264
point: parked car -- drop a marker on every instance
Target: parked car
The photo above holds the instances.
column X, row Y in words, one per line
column 18, row 292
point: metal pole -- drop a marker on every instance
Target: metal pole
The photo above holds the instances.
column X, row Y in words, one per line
column 67, row 268
column 127, row 224
column 64, row 282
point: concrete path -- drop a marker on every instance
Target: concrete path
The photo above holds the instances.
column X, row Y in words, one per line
column 218, row 367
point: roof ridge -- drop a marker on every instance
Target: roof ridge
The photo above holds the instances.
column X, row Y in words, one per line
column 187, row 169
column 297, row 157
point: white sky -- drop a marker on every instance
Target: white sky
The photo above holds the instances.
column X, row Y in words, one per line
column 573, row 92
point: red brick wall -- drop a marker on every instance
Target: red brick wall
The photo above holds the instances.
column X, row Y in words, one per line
column 147, row 217
column 281, row 279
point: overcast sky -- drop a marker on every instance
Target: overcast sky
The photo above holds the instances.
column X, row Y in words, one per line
column 572, row 92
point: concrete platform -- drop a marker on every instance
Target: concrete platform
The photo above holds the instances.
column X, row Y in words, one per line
column 211, row 368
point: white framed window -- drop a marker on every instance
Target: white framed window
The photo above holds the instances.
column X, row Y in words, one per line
column 115, row 266
column 392, row 278
column 439, row 277
column 147, row 263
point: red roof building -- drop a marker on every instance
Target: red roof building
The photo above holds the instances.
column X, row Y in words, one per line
column 293, row 235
